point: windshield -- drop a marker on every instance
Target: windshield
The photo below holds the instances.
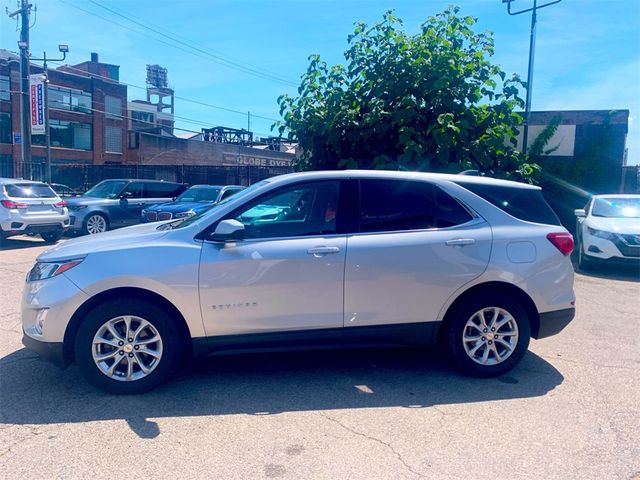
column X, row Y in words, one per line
column 617, row 207
column 183, row 223
column 199, row 194
column 29, row 190
column 107, row 189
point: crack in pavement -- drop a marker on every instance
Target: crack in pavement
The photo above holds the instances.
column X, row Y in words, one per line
column 377, row 440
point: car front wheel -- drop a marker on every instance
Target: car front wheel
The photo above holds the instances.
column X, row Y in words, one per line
column 127, row 347
column 487, row 335
column 95, row 223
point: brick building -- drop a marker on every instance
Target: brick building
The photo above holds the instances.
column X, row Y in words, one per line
column 92, row 124
column 88, row 116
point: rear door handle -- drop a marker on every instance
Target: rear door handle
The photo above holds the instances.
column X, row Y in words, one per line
column 461, row 242
column 322, row 251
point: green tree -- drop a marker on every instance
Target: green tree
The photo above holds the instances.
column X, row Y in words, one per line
column 431, row 101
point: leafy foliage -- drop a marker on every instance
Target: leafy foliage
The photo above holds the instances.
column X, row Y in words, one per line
column 431, row 101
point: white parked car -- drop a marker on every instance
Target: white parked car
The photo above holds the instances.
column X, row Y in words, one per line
column 608, row 229
column 310, row 261
column 32, row 208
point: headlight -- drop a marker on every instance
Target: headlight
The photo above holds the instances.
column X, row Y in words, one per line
column 600, row 233
column 188, row 214
column 43, row 270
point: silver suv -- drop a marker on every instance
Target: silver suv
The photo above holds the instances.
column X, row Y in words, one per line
column 28, row 207
column 311, row 260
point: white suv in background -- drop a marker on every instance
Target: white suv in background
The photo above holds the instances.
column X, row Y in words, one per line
column 310, row 261
column 28, row 207
column 608, row 230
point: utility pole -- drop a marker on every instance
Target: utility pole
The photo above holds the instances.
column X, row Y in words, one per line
column 25, row 109
column 532, row 47
column 45, row 73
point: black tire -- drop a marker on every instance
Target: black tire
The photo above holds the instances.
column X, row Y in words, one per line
column 455, row 327
column 172, row 345
column 584, row 262
column 51, row 237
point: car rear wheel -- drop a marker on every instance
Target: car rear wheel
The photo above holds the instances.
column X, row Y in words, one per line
column 51, row 237
column 95, row 223
column 128, row 347
column 487, row 335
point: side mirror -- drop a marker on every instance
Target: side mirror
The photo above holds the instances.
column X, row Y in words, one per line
column 228, row 231
column 580, row 213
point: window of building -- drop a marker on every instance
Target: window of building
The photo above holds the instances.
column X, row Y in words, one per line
column 113, row 106
column 67, row 135
column 64, row 98
column 113, row 139
column 145, row 119
column 5, row 94
column 392, row 205
column 5, row 127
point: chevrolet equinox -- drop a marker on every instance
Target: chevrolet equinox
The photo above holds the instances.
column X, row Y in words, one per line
column 310, row 261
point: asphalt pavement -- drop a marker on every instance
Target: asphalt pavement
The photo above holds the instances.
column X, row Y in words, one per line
column 571, row 409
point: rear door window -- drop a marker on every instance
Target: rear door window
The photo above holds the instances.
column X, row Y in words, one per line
column 29, row 190
column 395, row 205
column 163, row 190
column 134, row 190
column 523, row 203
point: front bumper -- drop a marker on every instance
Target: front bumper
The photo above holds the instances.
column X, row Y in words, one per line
column 554, row 322
column 615, row 249
column 50, row 351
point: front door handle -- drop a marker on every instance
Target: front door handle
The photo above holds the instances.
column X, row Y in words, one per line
column 460, row 242
column 322, row 251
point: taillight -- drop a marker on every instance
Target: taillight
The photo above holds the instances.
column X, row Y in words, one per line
column 12, row 204
column 61, row 204
column 563, row 241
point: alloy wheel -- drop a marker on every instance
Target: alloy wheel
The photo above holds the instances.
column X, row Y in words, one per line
column 96, row 224
column 127, row 348
column 490, row 336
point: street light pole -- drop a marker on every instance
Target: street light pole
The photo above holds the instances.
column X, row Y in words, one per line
column 47, row 132
column 532, row 47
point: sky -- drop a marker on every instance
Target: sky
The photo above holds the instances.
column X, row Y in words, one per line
column 248, row 52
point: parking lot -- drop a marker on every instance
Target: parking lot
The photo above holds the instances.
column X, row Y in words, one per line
column 569, row 410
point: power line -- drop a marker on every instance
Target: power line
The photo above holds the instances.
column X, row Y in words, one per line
column 207, row 56
column 184, row 99
column 126, row 117
column 190, row 44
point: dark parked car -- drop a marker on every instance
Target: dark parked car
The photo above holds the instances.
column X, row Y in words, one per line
column 191, row 202
column 64, row 191
column 118, row 203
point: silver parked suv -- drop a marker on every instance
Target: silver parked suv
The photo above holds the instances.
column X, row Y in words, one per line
column 28, row 207
column 311, row 260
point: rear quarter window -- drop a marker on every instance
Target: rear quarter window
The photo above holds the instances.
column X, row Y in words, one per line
column 523, row 203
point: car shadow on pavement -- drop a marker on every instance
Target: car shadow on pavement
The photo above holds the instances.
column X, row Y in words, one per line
column 16, row 243
column 35, row 392
column 625, row 273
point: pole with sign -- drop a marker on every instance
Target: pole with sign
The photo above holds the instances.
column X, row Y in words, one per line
column 36, row 95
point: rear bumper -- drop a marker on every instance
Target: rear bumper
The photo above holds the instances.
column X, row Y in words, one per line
column 50, row 351
column 553, row 322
